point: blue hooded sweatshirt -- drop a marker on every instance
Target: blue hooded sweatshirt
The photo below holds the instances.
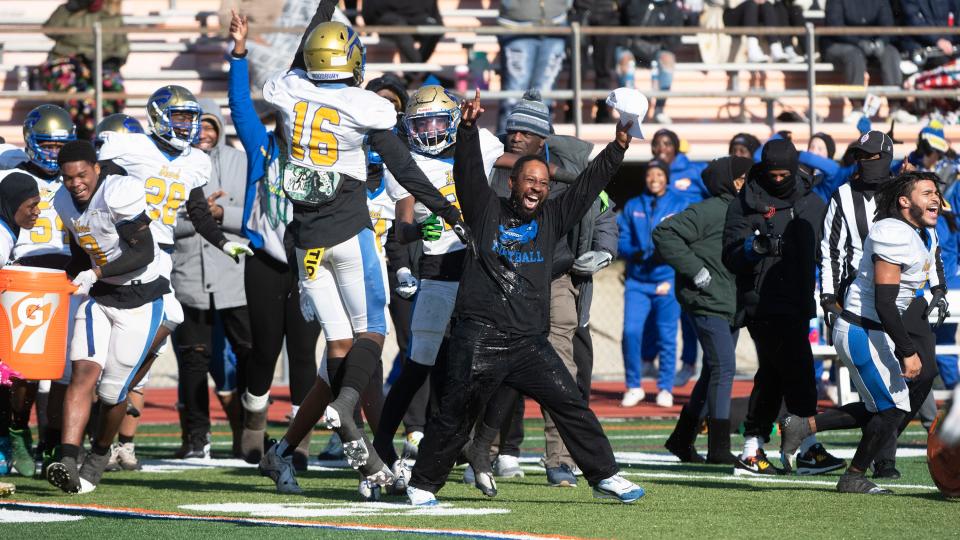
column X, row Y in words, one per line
column 639, row 217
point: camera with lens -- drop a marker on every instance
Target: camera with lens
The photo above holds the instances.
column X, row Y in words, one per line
column 768, row 245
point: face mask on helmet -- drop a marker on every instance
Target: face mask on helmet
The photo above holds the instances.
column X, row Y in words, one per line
column 431, row 120
column 174, row 116
column 46, row 129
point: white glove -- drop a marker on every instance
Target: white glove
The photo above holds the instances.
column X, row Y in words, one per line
column 408, row 284
column 84, row 281
column 591, row 262
column 236, row 249
column 307, row 308
column 702, row 279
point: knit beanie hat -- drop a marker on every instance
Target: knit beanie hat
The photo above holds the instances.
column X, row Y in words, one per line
column 828, row 142
column 530, row 115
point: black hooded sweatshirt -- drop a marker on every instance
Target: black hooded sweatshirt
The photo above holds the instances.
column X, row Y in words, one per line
column 774, row 287
column 15, row 188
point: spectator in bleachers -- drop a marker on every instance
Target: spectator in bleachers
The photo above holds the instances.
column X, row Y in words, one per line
column 656, row 52
column 530, row 61
column 932, row 154
column 853, row 53
column 748, row 13
column 649, row 285
column 692, row 243
column 928, row 51
column 69, row 66
column 601, row 13
column 413, row 48
column 785, row 13
column 743, row 145
column 209, row 285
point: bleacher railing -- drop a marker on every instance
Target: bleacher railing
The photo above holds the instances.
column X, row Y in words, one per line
column 575, row 32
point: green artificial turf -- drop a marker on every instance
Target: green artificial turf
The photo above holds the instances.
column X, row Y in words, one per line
column 697, row 501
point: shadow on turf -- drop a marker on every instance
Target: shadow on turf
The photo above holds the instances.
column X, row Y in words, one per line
column 193, row 485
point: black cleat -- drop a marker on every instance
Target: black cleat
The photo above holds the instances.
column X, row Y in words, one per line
column 886, row 469
column 64, row 475
column 757, row 465
column 852, row 482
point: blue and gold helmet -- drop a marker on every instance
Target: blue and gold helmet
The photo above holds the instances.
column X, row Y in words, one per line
column 431, row 119
column 160, row 109
column 116, row 123
column 44, row 125
column 333, row 52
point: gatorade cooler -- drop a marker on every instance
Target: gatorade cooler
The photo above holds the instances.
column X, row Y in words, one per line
column 34, row 307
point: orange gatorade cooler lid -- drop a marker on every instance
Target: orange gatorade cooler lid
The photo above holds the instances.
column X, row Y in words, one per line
column 34, row 279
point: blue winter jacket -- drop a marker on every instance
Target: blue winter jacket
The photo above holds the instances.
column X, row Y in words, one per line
column 260, row 145
column 685, row 179
column 948, row 242
column 639, row 217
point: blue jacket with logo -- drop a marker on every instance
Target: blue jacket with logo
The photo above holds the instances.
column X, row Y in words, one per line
column 640, row 216
column 685, row 179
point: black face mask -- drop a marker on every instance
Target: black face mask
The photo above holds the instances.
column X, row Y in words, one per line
column 874, row 171
column 781, row 189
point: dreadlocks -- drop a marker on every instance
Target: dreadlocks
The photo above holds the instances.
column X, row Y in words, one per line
column 888, row 196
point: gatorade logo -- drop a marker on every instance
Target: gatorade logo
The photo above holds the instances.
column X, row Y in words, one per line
column 30, row 315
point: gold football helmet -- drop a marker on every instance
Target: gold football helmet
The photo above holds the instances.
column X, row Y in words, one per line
column 44, row 125
column 160, row 110
column 333, row 52
column 431, row 119
column 117, row 123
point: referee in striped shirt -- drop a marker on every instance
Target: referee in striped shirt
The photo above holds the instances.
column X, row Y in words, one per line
column 850, row 215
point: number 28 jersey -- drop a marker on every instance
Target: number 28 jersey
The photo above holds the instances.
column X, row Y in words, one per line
column 167, row 180
column 118, row 199
column 328, row 124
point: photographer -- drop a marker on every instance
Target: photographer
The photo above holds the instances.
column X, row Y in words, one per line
column 770, row 244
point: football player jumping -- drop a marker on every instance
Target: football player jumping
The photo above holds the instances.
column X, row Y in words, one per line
column 115, row 261
column 327, row 122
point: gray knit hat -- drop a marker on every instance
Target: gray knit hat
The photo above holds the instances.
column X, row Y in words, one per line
column 530, row 115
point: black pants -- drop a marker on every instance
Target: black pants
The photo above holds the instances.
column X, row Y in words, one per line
column 193, row 342
column 785, row 374
column 604, row 51
column 583, row 357
column 401, row 309
column 853, row 63
column 406, row 43
column 480, row 359
column 274, row 303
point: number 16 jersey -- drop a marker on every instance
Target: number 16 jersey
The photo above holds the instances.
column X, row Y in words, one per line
column 167, row 180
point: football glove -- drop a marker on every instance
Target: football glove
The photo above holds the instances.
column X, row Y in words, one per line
column 939, row 303
column 407, row 283
column 7, row 374
column 236, row 249
column 591, row 262
column 702, row 279
column 831, row 309
column 431, row 228
column 84, row 281
column 307, row 308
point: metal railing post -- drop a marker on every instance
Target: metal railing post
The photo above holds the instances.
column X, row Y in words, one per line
column 98, row 70
column 811, row 79
column 577, row 79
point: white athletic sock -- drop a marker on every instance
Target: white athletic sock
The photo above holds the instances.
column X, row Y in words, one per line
column 255, row 403
column 750, row 447
column 807, row 442
column 293, row 411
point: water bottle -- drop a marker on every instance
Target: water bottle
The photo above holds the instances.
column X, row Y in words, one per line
column 655, row 75
column 950, row 19
column 23, row 78
column 462, row 74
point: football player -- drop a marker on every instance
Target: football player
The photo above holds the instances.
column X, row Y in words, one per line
column 872, row 334
column 431, row 122
column 45, row 130
column 115, row 261
column 123, row 454
column 328, row 121
column 173, row 175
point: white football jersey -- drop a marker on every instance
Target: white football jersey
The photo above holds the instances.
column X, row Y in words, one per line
column 440, row 173
column 118, row 199
column 47, row 236
column 382, row 204
column 328, row 123
column 894, row 241
column 167, row 180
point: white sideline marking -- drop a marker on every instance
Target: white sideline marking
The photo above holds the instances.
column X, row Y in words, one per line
column 762, row 479
column 24, row 516
column 345, row 509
